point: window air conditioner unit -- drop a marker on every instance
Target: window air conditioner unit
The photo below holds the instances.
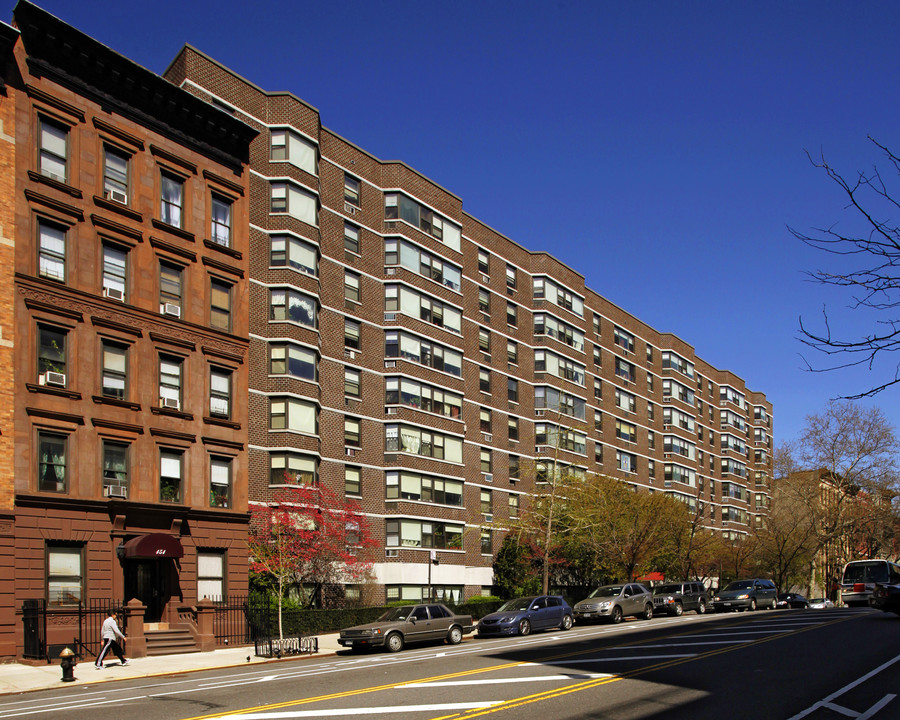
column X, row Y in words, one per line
column 393, row 410
column 488, row 437
column 390, row 271
column 171, row 403
column 390, row 363
column 391, row 552
column 390, row 317
column 539, row 413
column 489, row 477
column 117, row 196
column 485, row 278
column 53, row 378
column 350, row 452
column 114, row 491
column 350, row 209
column 488, row 518
column 114, row 293
column 171, row 309
column 350, row 354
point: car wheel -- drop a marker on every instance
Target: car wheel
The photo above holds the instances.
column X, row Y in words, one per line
column 616, row 616
column 648, row 611
column 394, row 642
column 679, row 610
column 701, row 607
column 567, row 622
column 454, row 637
column 752, row 604
column 524, row 627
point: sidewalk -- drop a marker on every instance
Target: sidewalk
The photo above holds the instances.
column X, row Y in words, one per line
column 15, row 677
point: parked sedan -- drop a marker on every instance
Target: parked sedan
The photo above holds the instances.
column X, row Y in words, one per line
column 746, row 595
column 408, row 624
column 522, row 615
column 614, row 602
column 886, row 597
column 820, row 604
column 791, row 600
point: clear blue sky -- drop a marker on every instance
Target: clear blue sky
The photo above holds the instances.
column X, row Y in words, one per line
column 655, row 147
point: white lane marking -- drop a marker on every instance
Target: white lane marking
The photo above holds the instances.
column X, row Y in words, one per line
column 687, row 644
column 617, row 659
column 846, row 688
column 503, row 681
column 286, row 715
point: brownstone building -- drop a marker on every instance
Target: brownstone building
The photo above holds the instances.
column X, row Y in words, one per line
column 436, row 370
column 129, row 308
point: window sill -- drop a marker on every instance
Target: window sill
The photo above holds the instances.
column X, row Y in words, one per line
column 119, row 208
column 222, row 422
column 168, row 412
column 104, row 400
column 58, row 391
column 172, row 229
column 225, row 249
column 56, row 184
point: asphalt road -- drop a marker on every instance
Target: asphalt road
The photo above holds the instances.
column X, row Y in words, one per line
column 788, row 664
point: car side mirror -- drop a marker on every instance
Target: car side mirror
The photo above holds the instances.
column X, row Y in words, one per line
column 412, row 619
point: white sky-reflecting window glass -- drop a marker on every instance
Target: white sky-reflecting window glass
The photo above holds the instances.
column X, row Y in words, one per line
column 53, row 150
column 290, row 147
column 211, row 575
column 64, row 575
column 52, row 251
column 295, row 201
column 172, row 200
column 220, row 228
column 114, row 260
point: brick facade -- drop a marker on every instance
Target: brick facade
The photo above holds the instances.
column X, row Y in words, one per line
column 671, row 412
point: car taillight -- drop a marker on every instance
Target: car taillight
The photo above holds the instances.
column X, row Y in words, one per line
column 859, row 587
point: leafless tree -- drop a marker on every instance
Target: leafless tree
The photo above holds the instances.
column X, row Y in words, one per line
column 872, row 276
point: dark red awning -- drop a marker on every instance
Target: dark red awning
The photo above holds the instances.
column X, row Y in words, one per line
column 154, row 545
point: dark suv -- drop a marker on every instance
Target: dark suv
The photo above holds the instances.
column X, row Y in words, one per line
column 746, row 595
column 675, row 598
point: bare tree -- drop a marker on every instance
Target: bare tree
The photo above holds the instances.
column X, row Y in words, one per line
column 873, row 275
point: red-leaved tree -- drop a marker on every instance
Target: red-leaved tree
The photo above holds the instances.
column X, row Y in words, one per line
column 309, row 537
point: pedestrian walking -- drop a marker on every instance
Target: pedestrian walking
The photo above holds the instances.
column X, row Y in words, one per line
column 109, row 636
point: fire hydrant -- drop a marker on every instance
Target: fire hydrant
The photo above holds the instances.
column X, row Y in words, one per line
column 67, row 663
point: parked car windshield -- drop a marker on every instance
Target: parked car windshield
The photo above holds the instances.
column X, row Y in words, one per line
column 666, row 589
column 740, row 585
column 816, row 601
column 517, row 604
column 397, row 613
column 606, row 591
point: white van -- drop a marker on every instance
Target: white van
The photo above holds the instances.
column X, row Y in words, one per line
column 860, row 576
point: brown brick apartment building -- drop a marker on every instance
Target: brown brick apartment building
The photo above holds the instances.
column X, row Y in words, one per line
column 129, row 308
column 405, row 352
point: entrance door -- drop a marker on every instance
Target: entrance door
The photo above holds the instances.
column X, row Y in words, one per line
column 148, row 581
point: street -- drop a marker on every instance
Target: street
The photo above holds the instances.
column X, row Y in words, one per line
column 787, row 664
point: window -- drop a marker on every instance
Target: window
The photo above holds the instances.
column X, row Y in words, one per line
column 51, row 353
column 486, row 542
column 295, row 201
column 53, row 149
column 514, row 472
column 418, row 533
column 484, row 262
column 597, row 356
column 626, row 431
column 398, row 251
column 170, row 289
column 211, row 575
column 513, row 428
column 484, row 340
column 410, row 347
column 170, row 474
column 293, row 252
column 220, row 221
column 115, row 174
column 596, row 324
column 401, row 438
column 290, row 147
column 549, row 325
column 512, row 352
column 352, row 480
column 512, row 390
column 486, row 461
column 351, row 238
column 487, row 503
column 220, row 305
column 171, row 200
column 286, row 468
column 484, row 380
column 625, row 370
column 512, row 317
column 626, row 462
column 291, row 306
column 413, row 303
column 513, row 506
column 623, row 339
column 290, row 359
column 352, row 432
column 51, row 251
column 651, row 440
column 598, row 388
column 220, row 392
column 114, row 271
column 546, row 288
column 405, row 485
column 351, row 286
column 484, row 420
column 220, row 482
column 404, row 391
column 351, row 382
column 484, row 300
column 65, row 575
column 510, row 277
column 625, row 400
column 115, row 469
column 170, row 382
column 115, row 358
column 293, row 414
column 351, row 190
column 400, row 207
column 52, row 453
column 351, row 334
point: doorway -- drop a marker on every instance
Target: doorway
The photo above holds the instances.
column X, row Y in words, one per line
column 148, row 581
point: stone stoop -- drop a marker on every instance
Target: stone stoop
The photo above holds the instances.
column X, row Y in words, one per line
column 170, row 641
